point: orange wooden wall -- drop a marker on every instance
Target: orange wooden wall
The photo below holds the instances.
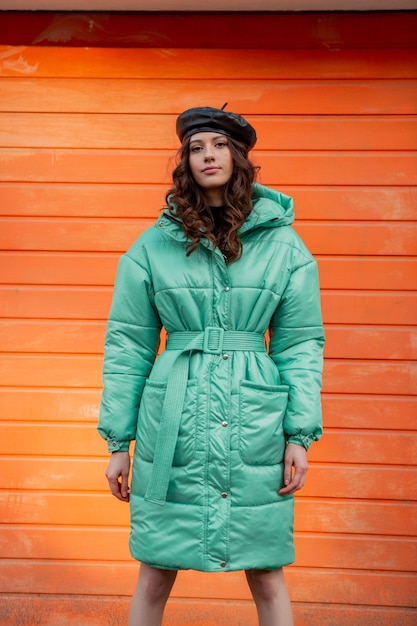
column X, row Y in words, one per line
column 86, row 138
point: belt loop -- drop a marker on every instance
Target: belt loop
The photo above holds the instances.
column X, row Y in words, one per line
column 213, row 340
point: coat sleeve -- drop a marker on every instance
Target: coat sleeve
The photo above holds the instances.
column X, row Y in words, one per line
column 296, row 346
column 131, row 344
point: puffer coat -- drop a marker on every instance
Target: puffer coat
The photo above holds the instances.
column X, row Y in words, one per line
column 211, row 416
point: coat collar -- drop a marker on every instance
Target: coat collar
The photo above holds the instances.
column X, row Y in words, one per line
column 271, row 209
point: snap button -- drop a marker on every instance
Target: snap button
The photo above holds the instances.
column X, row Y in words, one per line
column 225, row 357
column 227, row 288
column 223, row 564
column 114, row 444
column 225, row 423
column 224, row 494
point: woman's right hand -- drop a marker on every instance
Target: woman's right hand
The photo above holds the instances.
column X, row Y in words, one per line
column 117, row 474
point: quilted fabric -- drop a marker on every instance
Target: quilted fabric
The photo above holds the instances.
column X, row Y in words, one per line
column 221, row 509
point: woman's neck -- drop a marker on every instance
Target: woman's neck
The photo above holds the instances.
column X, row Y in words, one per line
column 214, row 197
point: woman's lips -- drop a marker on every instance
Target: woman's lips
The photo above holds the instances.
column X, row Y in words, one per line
column 211, row 170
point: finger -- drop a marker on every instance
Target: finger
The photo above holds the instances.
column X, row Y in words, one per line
column 288, row 483
column 296, row 483
column 114, row 484
column 124, row 487
column 288, row 472
column 285, row 491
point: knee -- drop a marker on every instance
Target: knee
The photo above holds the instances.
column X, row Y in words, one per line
column 156, row 584
column 265, row 585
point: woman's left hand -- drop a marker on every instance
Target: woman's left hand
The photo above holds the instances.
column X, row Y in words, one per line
column 295, row 457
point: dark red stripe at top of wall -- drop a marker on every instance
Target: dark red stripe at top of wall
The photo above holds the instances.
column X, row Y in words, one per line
column 267, row 30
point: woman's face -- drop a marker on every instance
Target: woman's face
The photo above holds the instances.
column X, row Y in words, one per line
column 211, row 162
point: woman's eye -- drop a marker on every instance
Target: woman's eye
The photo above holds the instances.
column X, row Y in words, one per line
column 221, row 144
column 196, row 149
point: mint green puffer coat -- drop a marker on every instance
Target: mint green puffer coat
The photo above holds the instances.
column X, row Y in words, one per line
column 211, row 416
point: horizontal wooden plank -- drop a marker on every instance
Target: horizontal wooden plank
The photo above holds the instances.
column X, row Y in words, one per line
column 63, row 610
column 203, row 29
column 339, row 307
column 140, row 166
column 172, row 96
column 355, row 168
column 30, row 61
column 99, row 269
column 32, row 542
column 350, row 238
column 370, row 447
column 53, row 336
column 231, row 586
column 305, row 584
column 350, row 587
column 98, row 611
column 367, row 482
column 50, row 405
column 52, row 439
column 70, row 234
column 370, row 342
column 318, row 615
column 149, row 131
column 52, row 508
column 340, row 410
column 64, row 269
column 344, row 376
column 347, row 203
column 43, row 473
column 55, row 302
column 340, row 376
column 107, row 200
column 74, row 405
column 368, row 273
column 355, row 517
column 324, row 480
column 358, row 307
column 146, row 200
column 51, row 371
column 116, row 235
column 82, row 440
column 40, row 268
column 384, row 553
column 370, row 412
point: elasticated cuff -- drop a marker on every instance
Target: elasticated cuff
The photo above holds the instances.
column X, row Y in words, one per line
column 301, row 440
column 117, row 446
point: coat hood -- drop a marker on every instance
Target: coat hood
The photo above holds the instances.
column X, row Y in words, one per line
column 270, row 209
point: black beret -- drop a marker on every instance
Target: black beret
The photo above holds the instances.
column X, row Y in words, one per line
column 209, row 119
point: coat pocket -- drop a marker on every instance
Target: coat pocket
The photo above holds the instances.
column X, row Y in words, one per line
column 261, row 414
column 149, row 419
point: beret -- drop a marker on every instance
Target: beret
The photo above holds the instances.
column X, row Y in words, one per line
column 201, row 119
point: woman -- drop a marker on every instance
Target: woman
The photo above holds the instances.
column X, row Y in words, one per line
column 221, row 425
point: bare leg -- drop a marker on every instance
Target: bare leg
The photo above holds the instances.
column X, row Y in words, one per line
column 271, row 597
column 150, row 596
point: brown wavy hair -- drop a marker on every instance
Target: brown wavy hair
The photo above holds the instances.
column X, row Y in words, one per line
column 186, row 200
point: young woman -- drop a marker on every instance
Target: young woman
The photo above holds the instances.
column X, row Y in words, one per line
column 221, row 423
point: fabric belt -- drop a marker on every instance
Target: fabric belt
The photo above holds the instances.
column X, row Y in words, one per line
column 213, row 340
